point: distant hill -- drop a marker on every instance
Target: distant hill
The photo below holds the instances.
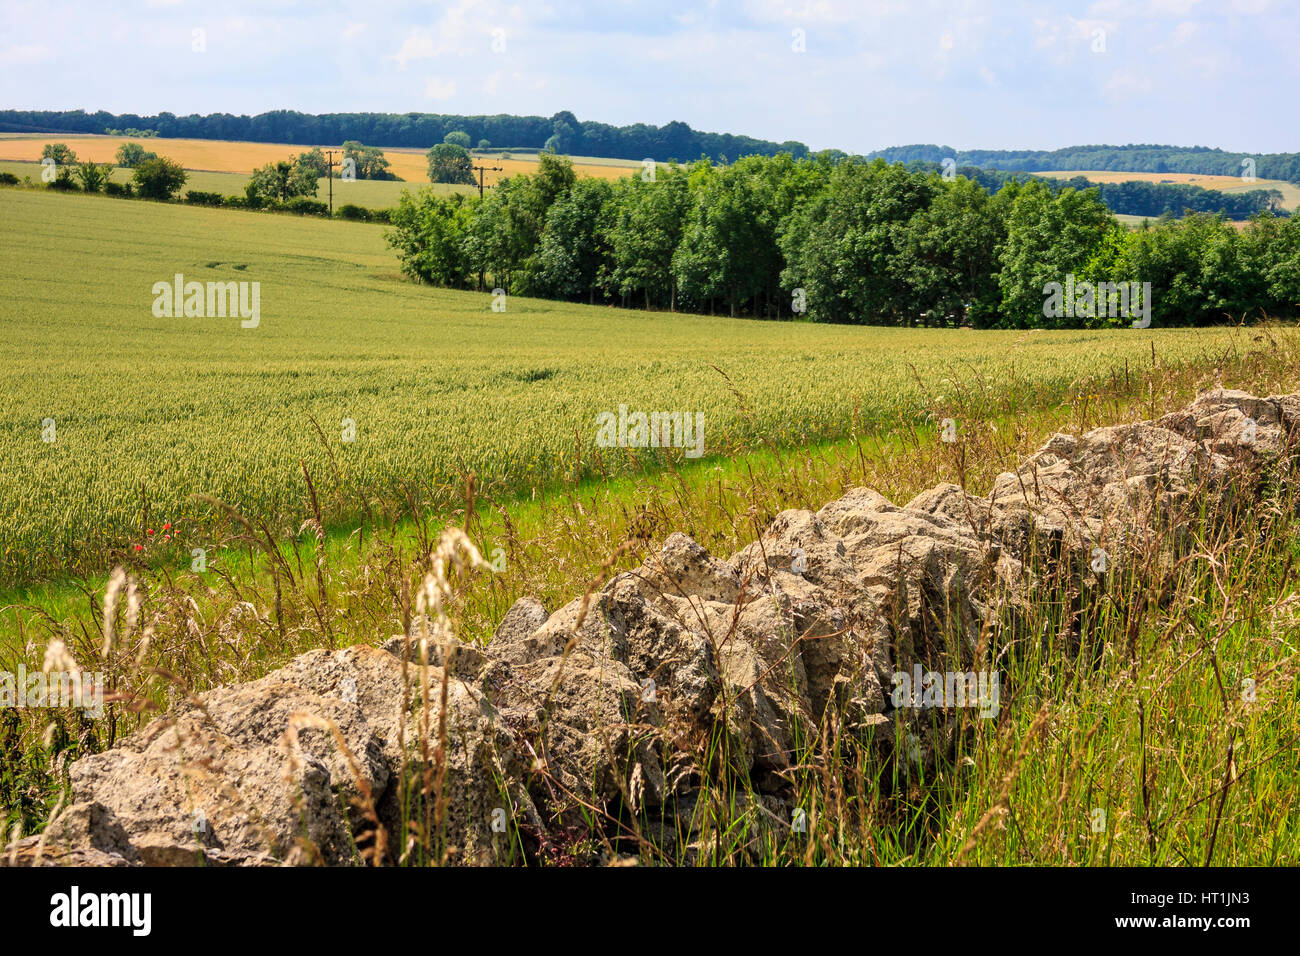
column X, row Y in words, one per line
column 1131, row 158
column 673, row 141
column 563, row 130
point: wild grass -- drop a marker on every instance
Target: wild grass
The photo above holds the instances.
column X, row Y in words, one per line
column 1112, row 701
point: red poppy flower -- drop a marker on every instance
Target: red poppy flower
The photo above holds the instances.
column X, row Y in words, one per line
column 149, row 532
column 167, row 526
column 139, row 547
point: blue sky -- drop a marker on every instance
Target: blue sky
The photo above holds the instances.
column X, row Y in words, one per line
column 872, row 73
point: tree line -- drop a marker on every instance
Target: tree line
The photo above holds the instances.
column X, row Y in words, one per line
column 560, row 133
column 849, row 241
column 288, row 185
column 1137, row 197
column 1202, row 160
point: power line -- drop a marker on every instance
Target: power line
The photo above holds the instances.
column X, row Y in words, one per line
column 329, row 171
column 495, row 169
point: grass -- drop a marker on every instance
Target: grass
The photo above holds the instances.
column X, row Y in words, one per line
column 150, row 411
column 485, row 421
column 1070, row 738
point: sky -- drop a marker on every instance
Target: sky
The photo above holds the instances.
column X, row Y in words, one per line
column 856, row 75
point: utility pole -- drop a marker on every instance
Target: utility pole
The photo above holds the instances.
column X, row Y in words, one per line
column 495, row 169
column 330, row 164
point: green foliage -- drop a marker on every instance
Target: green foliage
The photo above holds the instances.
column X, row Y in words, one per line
column 450, row 163
column 8, row 179
column 282, row 181
column 353, row 212
column 314, row 160
column 848, row 241
column 64, row 180
column 1048, row 238
column 196, row 197
column 949, row 252
column 132, row 155
column 573, row 253
column 575, row 137
column 306, row 206
column 159, row 178
column 93, row 176
column 61, row 153
column 846, row 247
column 458, row 138
column 644, row 233
column 428, row 235
column 1132, row 158
column 370, row 162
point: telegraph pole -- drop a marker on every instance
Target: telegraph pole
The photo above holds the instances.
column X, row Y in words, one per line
column 495, row 169
column 329, row 171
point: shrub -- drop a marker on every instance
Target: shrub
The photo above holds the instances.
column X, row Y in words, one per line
column 353, row 211
column 8, row 179
column 196, row 197
column 381, row 215
column 120, row 190
column 159, row 178
column 94, row 176
column 303, row 206
column 64, row 181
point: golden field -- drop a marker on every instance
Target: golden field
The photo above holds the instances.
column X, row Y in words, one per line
column 223, row 156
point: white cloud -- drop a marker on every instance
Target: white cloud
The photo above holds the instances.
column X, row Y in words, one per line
column 418, row 45
column 26, row 54
column 436, row 88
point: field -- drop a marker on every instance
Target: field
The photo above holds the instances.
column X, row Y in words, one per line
column 220, row 156
column 368, row 193
column 487, row 420
column 1228, row 184
column 150, row 411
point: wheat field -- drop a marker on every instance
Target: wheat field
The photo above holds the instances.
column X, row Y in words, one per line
column 220, row 156
column 148, row 412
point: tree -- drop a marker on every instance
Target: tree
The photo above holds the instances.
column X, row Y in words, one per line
column 282, row 181
column 314, row 160
column 1049, row 238
column 645, row 231
column 93, row 176
column 369, row 161
column 485, row 144
column 729, row 243
column 449, row 163
column 61, row 153
column 949, row 253
column 429, row 235
column 846, row 246
column 131, row 155
column 1197, row 272
column 574, row 253
column 159, row 178
column 458, row 138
